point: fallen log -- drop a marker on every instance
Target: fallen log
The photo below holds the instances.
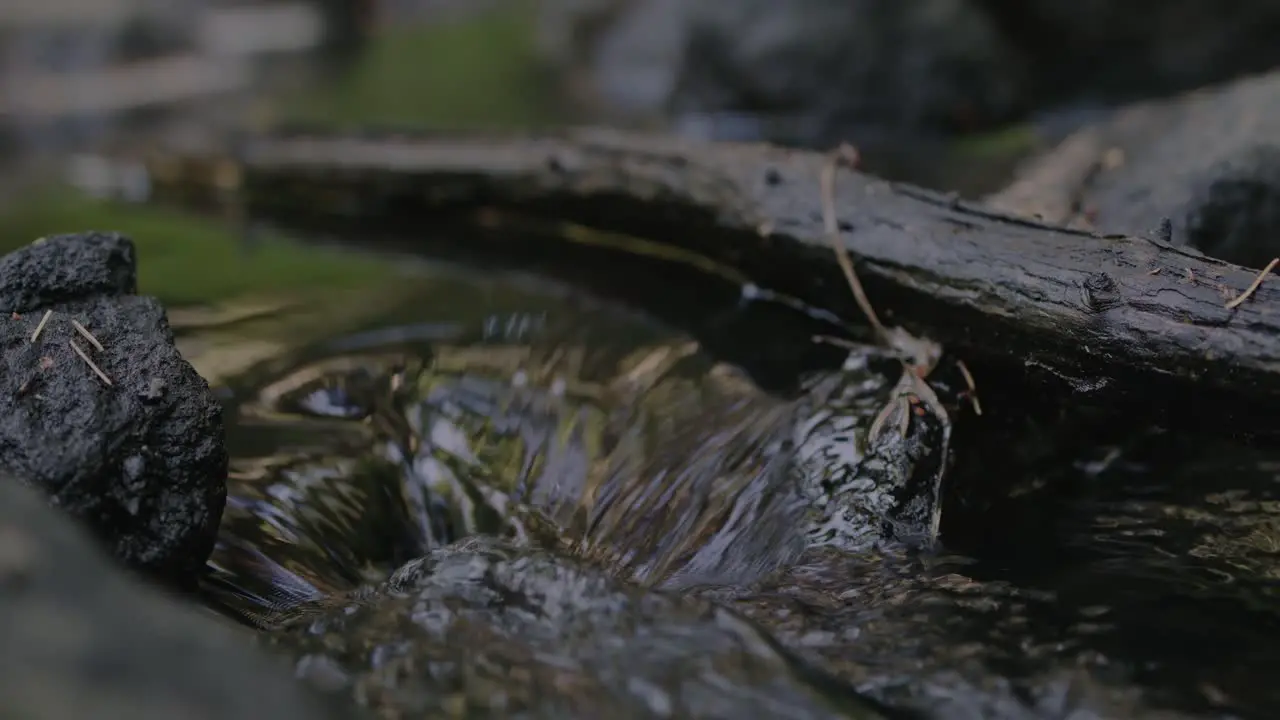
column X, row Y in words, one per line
column 1096, row 311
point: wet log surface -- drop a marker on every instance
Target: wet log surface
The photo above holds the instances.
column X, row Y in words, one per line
column 1097, row 312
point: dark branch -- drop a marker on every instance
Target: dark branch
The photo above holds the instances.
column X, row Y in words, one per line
column 1090, row 309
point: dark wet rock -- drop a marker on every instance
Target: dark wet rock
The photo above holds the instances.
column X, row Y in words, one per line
column 484, row 629
column 137, row 453
column 1208, row 162
column 81, row 640
column 65, row 268
column 809, row 73
column 852, row 463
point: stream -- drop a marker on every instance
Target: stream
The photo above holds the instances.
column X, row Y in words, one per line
column 521, row 478
column 560, row 454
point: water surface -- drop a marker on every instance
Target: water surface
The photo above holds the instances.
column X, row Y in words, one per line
column 1085, row 562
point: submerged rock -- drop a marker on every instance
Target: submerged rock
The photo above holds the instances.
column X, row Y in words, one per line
column 107, row 418
column 484, row 629
column 741, row 483
column 81, row 640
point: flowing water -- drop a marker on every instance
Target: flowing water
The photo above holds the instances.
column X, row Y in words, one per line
column 492, row 403
column 495, row 405
column 1087, row 564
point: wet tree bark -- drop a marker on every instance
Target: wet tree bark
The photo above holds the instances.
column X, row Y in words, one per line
column 1094, row 311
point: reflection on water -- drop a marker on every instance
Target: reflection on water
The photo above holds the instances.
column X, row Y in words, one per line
column 499, row 409
column 1158, row 558
column 366, row 449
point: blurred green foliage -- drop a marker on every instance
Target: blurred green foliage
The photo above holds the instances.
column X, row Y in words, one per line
column 188, row 259
column 478, row 71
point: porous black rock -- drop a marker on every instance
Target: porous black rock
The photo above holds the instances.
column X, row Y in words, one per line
column 67, row 267
column 82, row 640
column 107, row 418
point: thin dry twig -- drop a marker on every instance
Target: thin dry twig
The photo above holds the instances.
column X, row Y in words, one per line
column 836, row 341
column 87, row 335
column 1253, row 287
column 843, row 156
column 40, row 326
column 918, row 356
column 973, row 386
column 914, row 352
column 85, row 357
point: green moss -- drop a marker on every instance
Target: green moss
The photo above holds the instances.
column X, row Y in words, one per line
column 187, row 259
column 478, row 71
column 1010, row 142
